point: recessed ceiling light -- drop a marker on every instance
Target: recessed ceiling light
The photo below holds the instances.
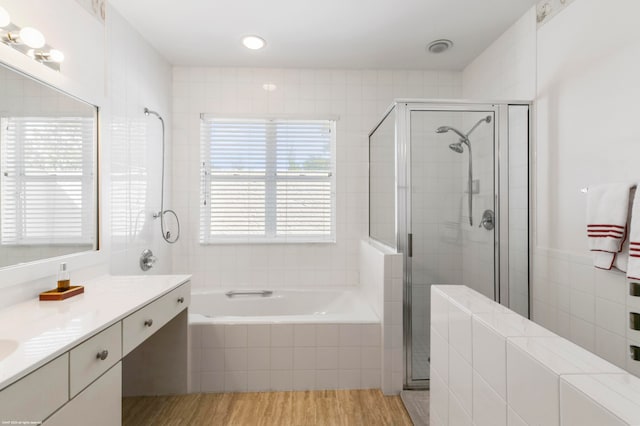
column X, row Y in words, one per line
column 253, row 42
column 269, row 87
column 439, row 46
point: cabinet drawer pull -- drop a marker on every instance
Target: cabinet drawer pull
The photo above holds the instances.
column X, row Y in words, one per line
column 180, row 299
column 102, row 355
column 634, row 321
column 148, row 322
column 634, row 352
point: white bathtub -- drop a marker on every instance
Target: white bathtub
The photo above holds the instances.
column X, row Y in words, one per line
column 283, row 306
column 310, row 339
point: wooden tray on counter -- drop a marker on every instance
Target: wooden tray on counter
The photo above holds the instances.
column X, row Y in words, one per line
column 54, row 294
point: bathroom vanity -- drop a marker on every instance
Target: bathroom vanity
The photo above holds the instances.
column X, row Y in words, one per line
column 70, row 362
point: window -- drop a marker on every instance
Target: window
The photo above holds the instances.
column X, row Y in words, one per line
column 267, row 180
column 47, row 180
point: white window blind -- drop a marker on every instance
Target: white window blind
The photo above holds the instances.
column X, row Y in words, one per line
column 46, row 180
column 267, row 180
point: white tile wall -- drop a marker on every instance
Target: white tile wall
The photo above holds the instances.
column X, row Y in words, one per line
column 583, row 304
column 519, row 372
column 381, row 277
column 138, row 77
column 569, row 297
column 358, row 97
column 592, row 400
column 258, row 357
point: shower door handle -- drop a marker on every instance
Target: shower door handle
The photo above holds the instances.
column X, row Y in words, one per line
column 410, row 245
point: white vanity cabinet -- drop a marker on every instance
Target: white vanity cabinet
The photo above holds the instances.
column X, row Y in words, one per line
column 84, row 385
column 90, row 359
column 98, row 405
column 35, row 397
column 140, row 325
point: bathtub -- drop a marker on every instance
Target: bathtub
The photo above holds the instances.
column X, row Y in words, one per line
column 290, row 306
column 310, row 339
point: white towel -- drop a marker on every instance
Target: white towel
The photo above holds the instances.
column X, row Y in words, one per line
column 633, row 268
column 607, row 215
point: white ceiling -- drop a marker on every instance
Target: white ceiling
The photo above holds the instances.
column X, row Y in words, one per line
column 321, row 34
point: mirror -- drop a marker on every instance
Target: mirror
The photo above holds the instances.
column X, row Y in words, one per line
column 48, row 168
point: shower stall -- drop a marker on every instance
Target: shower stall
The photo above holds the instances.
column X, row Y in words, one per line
column 449, row 189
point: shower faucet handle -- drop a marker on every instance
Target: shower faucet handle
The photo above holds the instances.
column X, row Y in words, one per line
column 147, row 259
column 487, row 220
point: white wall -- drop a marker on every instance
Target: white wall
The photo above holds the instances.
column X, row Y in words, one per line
column 506, row 69
column 121, row 79
column 581, row 66
column 588, row 67
column 381, row 282
column 138, row 77
column 358, row 97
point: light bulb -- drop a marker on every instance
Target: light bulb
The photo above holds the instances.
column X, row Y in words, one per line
column 253, row 42
column 32, row 37
column 56, row 56
column 5, row 19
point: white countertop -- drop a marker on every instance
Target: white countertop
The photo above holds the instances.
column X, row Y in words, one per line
column 42, row 330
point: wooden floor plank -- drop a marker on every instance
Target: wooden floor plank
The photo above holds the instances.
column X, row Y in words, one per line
column 304, row 408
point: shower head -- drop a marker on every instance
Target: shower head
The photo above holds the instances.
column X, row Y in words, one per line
column 445, row 129
column 457, row 147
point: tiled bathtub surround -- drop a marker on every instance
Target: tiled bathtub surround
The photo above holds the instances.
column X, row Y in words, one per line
column 491, row 366
column 278, row 357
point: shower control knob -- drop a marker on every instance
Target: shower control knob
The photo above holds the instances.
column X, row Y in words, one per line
column 147, row 259
column 487, row 220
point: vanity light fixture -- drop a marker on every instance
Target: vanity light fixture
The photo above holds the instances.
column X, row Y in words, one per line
column 32, row 37
column 29, row 41
column 253, row 42
column 53, row 55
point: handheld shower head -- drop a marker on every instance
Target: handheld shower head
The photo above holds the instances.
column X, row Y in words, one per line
column 445, row 129
column 147, row 111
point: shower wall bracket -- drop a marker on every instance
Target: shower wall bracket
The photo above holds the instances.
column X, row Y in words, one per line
column 475, row 187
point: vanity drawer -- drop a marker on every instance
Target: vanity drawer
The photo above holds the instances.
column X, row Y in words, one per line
column 93, row 357
column 37, row 395
column 138, row 326
column 98, row 405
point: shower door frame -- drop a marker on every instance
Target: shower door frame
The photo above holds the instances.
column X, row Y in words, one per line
column 403, row 109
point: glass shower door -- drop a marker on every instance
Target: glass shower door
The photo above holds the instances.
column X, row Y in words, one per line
column 451, row 200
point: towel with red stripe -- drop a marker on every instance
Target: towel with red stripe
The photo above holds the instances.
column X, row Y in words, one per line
column 607, row 224
column 633, row 269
